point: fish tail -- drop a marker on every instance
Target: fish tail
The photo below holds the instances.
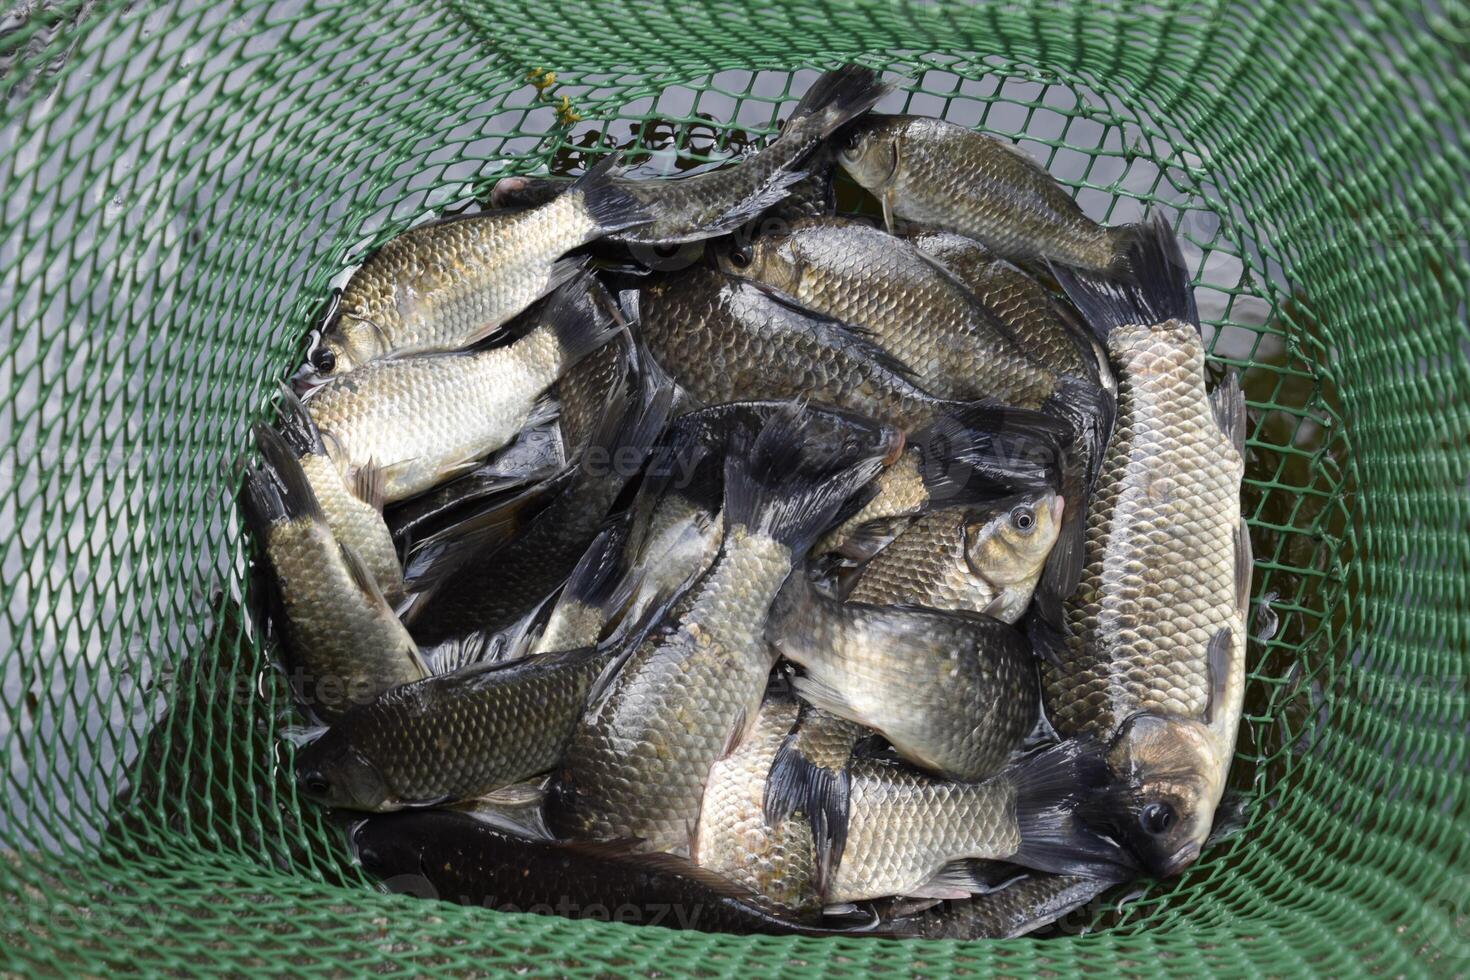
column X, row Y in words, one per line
column 285, row 493
column 624, row 439
column 785, row 485
column 610, row 206
column 1052, row 788
column 1148, row 282
column 581, row 315
column 296, row 426
column 838, row 97
column 985, row 447
column 796, row 784
column 602, row 579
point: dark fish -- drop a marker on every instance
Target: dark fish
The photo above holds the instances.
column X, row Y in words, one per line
column 955, row 693
column 487, row 577
column 455, row 858
column 643, row 752
column 1156, row 657
column 1021, row 906
column 343, row 639
column 716, row 202
column 944, row 176
column 447, row 285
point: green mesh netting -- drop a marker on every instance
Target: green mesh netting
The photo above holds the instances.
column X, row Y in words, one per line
column 180, row 186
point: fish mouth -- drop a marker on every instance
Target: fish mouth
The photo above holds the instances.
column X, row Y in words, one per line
column 894, row 445
column 1180, row 860
column 1057, row 506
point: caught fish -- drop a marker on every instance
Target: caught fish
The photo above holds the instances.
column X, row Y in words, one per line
column 1156, row 657
column 1019, row 907
column 955, row 693
column 452, row 736
column 421, row 420
column 716, row 202
column 940, row 175
column 909, row 305
column 488, row 575
column 726, row 340
column 456, row 858
column 343, row 637
column 915, row 835
column 450, row 284
column 642, row 752
column 775, row 859
column 1054, row 333
column 354, row 513
column 984, row 558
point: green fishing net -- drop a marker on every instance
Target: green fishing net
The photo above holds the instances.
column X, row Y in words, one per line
column 181, row 186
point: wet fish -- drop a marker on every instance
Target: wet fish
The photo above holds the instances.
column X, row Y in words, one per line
column 421, row 420
column 455, row 858
column 725, row 339
column 344, row 641
column 447, row 285
column 982, row 558
column 1022, row 906
column 905, row 302
column 642, row 753
column 452, row 736
column 354, row 512
column 955, row 693
column 775, row 859
column 716, row 202
column 487, row 576
column 1049, row 329
column 940, row 175
column 912, row 834
column 1156, row 658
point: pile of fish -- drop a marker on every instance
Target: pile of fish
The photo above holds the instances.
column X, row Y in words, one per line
column 857, row 576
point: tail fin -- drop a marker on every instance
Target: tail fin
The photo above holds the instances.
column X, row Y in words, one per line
column 1150, row 283
column 822, row 793
column 287, row 494
column 581, row 316
column 1052, row 788
column 611, row 206
column 621, row 444
column 838, row 97
column 790, row 482
column 983, row 448
column 297, row 427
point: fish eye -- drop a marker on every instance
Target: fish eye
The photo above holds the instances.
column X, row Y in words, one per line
column 315, row 784
column 853, row 141
column 323, row 360
column 1023, row 519
column 1156, row 818
column 740, row 256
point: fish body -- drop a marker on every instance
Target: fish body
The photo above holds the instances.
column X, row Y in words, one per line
column 725, row 340
column 772, row 858
column 1052, row 332
column 452, row 736
column 447, row 285
column 716, row 202
column 456, row 858
column 955, row 694
column 984, row 558
column 643, row 751
column 421, row 420
column 909, row 305
column 940, row 175
column 1031, row 902
column 354, row 512
column 1156, row 657
column 344, row 638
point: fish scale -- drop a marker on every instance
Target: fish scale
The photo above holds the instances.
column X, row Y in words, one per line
column 1159, row 578
column 860, row 275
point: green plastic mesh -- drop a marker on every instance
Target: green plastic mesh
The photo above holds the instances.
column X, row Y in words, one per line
column 180, row 186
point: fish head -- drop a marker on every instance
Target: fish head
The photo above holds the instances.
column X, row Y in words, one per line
column 334, row 773
column 1008, row 543
column 769, row 259
column 1165, row 782
column 870, row 151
